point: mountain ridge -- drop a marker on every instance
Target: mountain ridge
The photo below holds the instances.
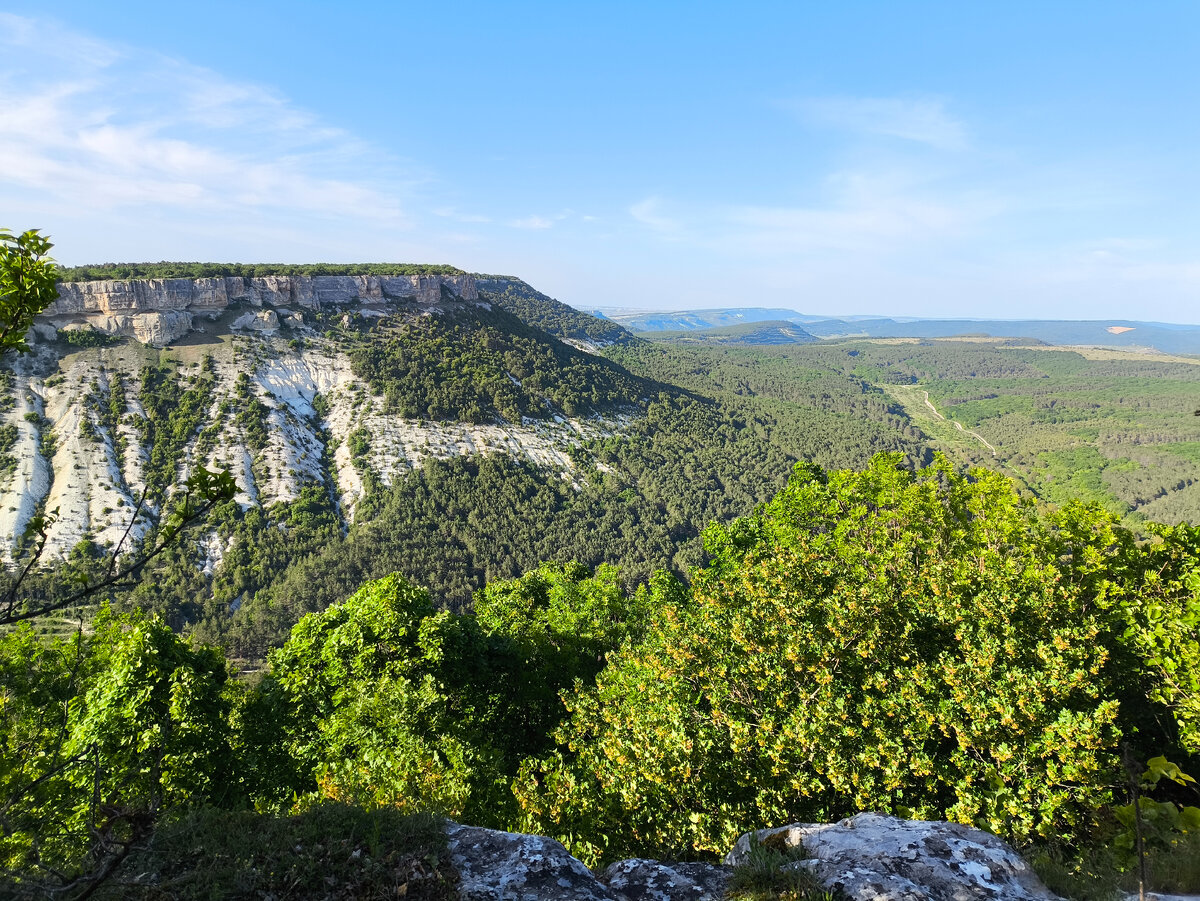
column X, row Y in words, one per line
column 1116, row 333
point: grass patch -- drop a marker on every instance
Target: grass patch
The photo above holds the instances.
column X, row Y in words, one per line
column 1099, row 874
column 331, row 851
column 771, row 872
column 1173, row 870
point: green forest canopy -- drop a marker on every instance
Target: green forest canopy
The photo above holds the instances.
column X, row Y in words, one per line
column 921, row 643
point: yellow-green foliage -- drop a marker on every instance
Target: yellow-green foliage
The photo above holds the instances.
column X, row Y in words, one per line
column 921, row 644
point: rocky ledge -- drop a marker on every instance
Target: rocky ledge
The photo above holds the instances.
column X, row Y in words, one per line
column 160, row 310
column 868, row 857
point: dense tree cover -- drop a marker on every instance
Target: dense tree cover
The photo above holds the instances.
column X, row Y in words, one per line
column 381, row 700
column 262, row 545
column 1104, row 426
column 639, row 499
column 102, row 271
column 100, row 732
column 455, row 525
column 921, row 644
column 390, row 701
column 477, row 365
column 551, row 316
column 174, row 412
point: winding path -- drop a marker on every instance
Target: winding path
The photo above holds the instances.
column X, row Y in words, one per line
column 959, row 425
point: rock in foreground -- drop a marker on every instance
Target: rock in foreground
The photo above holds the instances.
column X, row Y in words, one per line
column 866, row 858
column 507, row 866
column 871, row 857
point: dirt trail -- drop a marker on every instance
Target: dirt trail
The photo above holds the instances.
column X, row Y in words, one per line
column 959, row 425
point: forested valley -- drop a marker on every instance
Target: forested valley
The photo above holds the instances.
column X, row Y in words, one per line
column 944, row 579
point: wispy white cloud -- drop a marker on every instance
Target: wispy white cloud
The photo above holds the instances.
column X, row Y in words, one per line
column 532, row 222
column 538, row 223
column 650, row 212
column 925, row 121
column 110, row 128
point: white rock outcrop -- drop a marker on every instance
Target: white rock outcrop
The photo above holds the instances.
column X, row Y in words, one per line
column 156, row 328
column 650, row 880
column 159, row 311
column 871, row 857
column 508, row 866
column 868, row 857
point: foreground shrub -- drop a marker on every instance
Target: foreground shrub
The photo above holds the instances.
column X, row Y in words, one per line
column 920, row 644
column 383, row 700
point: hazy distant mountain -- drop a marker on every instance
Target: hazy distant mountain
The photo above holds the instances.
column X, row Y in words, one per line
column 1169, row 338
column 681, row 320
column 1162, row 336
column 769, row 332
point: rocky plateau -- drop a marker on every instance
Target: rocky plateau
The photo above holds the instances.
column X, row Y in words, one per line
column 59, row 451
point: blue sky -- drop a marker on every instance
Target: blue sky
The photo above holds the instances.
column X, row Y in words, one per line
column 936, row 159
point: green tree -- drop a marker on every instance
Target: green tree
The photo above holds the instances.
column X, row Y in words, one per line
column 880, row 640
column 27, row 284
column 100, row 735
column 1164, row 624
column 383, row 699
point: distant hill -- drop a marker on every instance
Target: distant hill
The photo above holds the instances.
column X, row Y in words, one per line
column 686, row 320
column 1119, row 333
column 770, row 332
column 551, row 316
column 1168, row 338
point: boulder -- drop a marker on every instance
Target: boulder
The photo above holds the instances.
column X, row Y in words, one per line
column 157, row 329
column 650, row 880
column 261, row 320
column 881, row 858
column 41, row 331
column 506, row 866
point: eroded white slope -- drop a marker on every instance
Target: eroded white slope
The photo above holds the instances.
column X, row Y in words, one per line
column 95, row 492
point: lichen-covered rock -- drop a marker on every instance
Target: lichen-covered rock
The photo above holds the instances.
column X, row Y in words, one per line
column 506, row 866
column 649, row 880
column 882, row 858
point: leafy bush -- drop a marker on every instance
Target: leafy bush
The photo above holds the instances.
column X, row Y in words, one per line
column 921, row 643
column 383, row 700
column 100, row 734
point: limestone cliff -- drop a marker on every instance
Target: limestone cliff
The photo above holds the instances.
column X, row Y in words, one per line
column 73, row 427
column 159, row 311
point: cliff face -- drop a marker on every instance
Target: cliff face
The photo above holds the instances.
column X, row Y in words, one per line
column 214, row 294
column 73, row 434
column 159, row 310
